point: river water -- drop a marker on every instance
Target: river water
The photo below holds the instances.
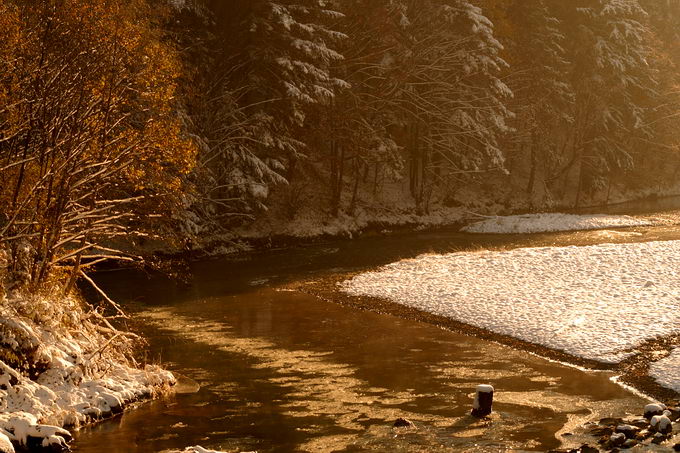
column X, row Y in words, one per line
column 283, row 371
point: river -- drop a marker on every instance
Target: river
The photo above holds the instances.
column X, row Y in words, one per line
column 283, row 371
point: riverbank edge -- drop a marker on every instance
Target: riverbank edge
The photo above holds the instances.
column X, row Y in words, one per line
column 632, row 371
column 46, row 437
column 58, row 373
column 240, row 245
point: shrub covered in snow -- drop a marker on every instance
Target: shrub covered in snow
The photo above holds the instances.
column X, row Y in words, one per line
column 62, row 365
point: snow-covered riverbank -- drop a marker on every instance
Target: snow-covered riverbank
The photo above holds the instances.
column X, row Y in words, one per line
column 667, row 371
column 548, row 222
column 60, row 370
column 595, row 302
column 304, row 230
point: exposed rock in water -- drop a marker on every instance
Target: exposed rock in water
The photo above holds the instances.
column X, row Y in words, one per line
column 628, row 430
column 599, row 430
column 630, row 443
column 5, row 444
column 610, row 421
column 673, row 414
column 661, row 424
column 658, row 438
column 403, row 423
column 639, row 423
column 617, row 439
column 582, row 449
column 653, row 409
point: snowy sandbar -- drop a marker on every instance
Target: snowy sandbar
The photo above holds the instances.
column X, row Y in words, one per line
column 667, row 371
column 540, row 223
column 596, row 302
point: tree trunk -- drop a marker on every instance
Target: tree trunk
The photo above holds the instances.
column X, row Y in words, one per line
column 414, row 169
column 355, row 189
column 579, row 187
column 337, row 183
column 532, row 172
column 375, row 179
column 334, row 177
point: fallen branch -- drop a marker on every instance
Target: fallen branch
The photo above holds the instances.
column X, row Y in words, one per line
column 104, row 295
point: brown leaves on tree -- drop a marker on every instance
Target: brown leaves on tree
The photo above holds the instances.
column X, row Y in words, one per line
column 90, row 140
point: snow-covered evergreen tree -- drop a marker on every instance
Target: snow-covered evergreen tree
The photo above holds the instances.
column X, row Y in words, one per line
column 337, row 96
column 453, row 100
column 544, row 94
column 288, row 58
column 356, row 137
column 663, row 165
column 269, row 63
column 613, row 83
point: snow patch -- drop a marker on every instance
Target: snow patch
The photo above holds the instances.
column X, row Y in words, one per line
column 315, row 224
column 199, row 449
column 73, row 380
column 541, row 223
column 484, row 388
column 596, row 302
column 667, row 371
column 5, row 444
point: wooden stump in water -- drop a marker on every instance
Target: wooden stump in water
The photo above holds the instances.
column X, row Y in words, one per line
column 481, row 407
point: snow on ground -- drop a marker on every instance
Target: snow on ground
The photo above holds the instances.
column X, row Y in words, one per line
column 667, row 371
column 313, row 224
column 199, row 449
column 78, row 381
column 539, row 223
column 594, row 302
column 391, row 206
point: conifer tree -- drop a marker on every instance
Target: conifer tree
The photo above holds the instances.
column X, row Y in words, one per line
column 540, row 80
column 613, row 83
column 451, row 94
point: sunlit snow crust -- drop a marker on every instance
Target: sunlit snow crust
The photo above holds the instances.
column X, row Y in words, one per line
column 539, row 223
column 667, row 371
column 595, row 302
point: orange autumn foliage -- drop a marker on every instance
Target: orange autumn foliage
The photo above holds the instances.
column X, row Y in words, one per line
column 88, row 117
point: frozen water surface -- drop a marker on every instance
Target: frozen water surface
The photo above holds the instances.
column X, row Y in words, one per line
column 595, row 302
